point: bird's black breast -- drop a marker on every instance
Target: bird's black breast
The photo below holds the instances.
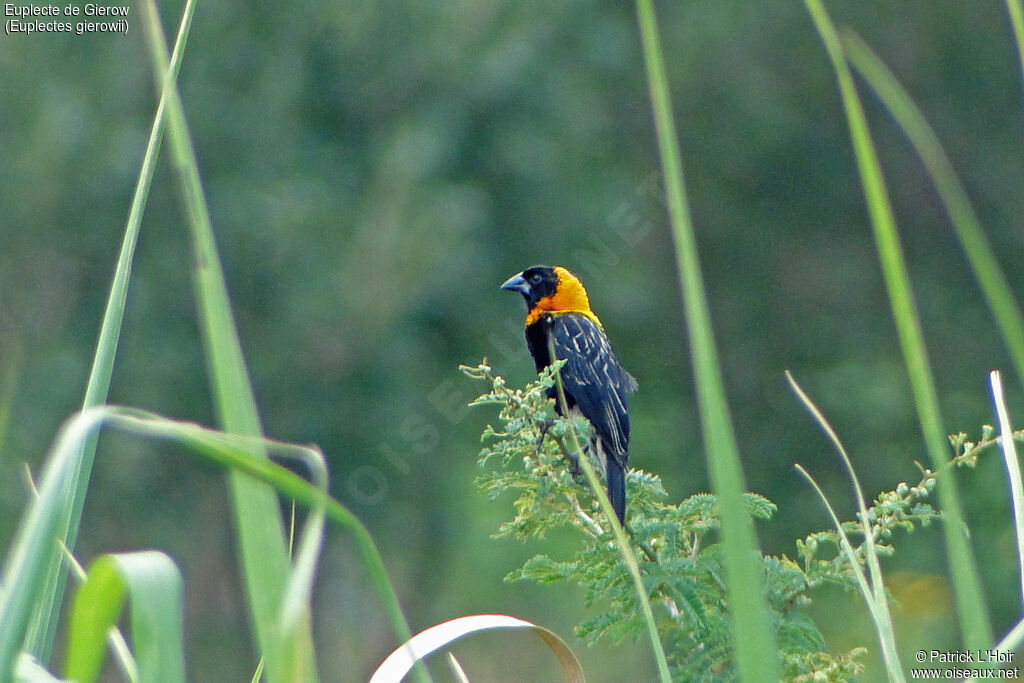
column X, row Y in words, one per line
column 592, row 376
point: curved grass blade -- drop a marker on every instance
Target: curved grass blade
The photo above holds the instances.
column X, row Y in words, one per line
column 752, row 636
column 980, row 255
column 239, row 453
column 974, row 622
column 400, row 662
column 243, row 455
column 151, row 582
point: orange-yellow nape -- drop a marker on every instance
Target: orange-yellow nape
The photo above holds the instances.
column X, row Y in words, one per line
column 569, row 297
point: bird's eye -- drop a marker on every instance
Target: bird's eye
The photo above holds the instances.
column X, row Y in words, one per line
column 534, row 278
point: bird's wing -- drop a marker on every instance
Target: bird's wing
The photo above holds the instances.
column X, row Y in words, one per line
column 595, row 380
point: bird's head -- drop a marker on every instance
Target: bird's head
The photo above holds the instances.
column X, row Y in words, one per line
column 548, row 289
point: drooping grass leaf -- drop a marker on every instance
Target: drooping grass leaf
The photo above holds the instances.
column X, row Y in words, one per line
column 245, row 456
column 401, row 661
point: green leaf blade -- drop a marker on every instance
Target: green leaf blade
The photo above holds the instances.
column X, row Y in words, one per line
column 152, row 584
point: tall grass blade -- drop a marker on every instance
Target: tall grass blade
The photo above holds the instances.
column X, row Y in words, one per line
column 755, row 648
column 152, row 583
column 458, row 673
column 45, row 618
column 115, row 638
column 261, row 538
column 974, row 622
column 980, row 255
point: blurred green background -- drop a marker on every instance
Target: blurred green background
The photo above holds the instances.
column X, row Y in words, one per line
column 376, row 170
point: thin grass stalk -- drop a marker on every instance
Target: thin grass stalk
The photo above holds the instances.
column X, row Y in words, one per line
column 756, row 655
column 971, row 608
column 44, row 626
column 980, row 255
column 876, row 598
column 258, row 520
column 879, row 610
column 458, row 673
column 621, row 539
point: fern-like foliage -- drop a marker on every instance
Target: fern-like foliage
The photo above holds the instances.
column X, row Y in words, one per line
column 676, row 544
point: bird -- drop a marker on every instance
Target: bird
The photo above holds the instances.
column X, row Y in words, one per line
column 595, row 384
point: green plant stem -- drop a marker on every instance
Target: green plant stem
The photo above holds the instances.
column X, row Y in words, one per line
column 974, row 622
column 755, row 648
column 621, row 539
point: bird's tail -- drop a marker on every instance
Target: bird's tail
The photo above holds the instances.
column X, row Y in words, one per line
column 616, row 477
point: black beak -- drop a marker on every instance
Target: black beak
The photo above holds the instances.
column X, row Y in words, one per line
column 516, row 283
